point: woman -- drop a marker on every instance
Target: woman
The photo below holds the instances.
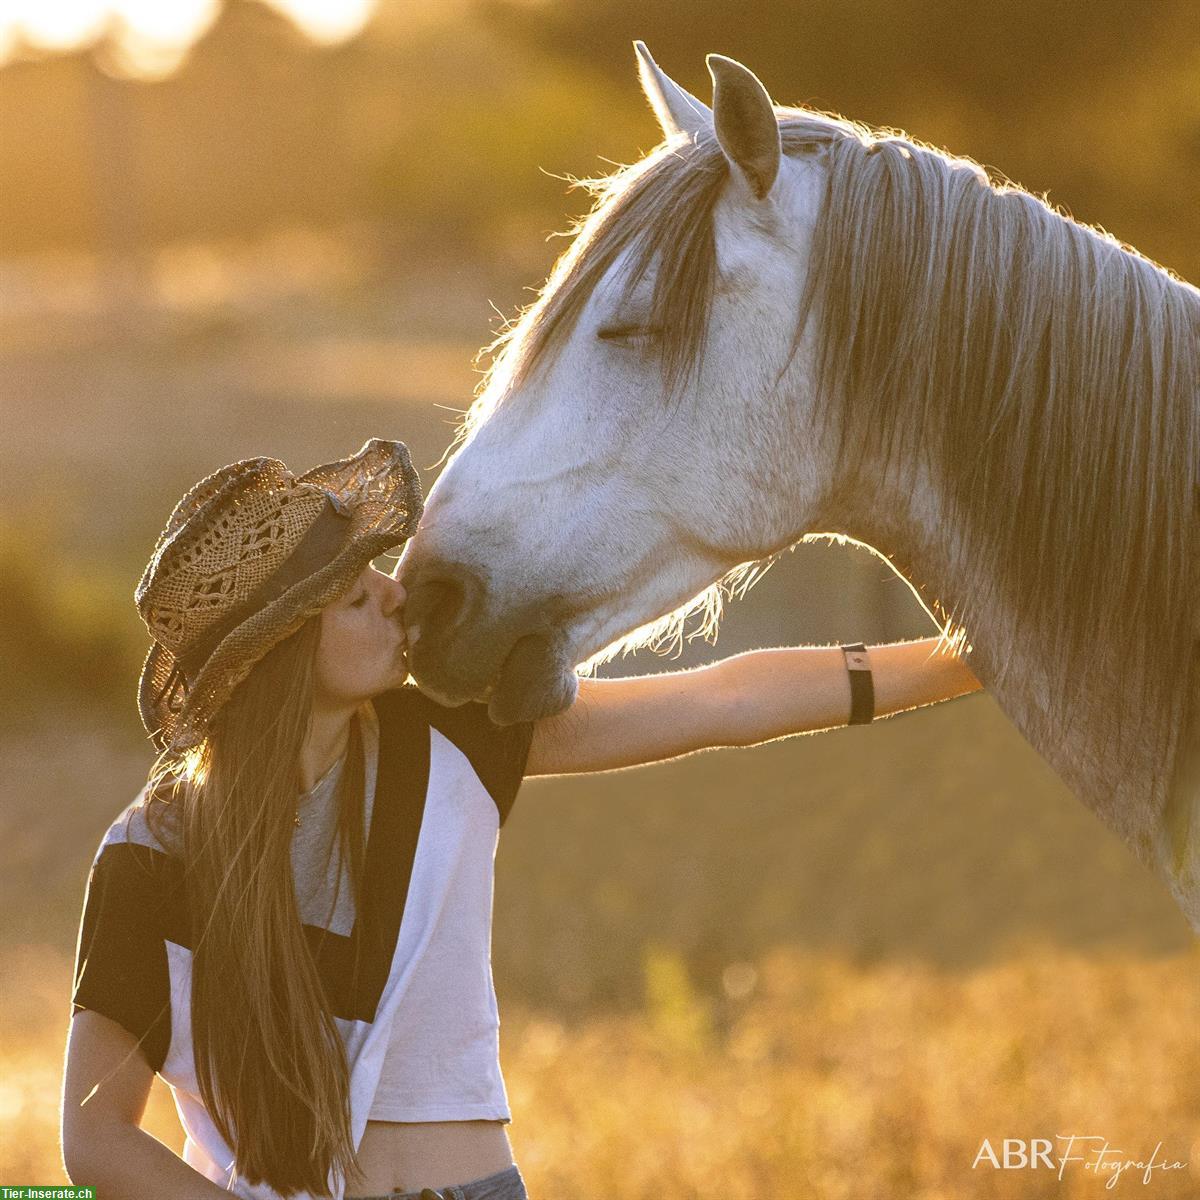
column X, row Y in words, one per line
column 337, row 1011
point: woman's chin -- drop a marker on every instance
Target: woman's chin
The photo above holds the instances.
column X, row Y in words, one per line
column 396, row 677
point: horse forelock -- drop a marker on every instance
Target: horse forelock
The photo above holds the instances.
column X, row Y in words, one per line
column 1044, row 374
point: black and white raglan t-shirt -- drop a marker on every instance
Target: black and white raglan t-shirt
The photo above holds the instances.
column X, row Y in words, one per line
column 419, row 1019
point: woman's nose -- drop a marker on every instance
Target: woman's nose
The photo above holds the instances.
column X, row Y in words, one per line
column 394, row 597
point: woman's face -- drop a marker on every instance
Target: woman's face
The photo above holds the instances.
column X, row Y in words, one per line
column 362, row 650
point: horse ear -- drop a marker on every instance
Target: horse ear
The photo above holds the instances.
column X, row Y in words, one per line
column 745, row 123
column 677, row 110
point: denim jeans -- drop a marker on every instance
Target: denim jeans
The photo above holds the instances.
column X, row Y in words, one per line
column 504, row 1185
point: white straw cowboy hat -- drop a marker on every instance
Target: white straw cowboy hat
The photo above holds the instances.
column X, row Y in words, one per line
column 249, row 554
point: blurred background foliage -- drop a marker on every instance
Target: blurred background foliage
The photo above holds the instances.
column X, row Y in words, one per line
column 257, row 240
column 436, row 119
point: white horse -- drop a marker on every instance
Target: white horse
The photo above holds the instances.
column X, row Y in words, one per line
column 782, row 324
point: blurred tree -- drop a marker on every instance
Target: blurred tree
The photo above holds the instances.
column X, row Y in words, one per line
column 867, row 56
column 483, row 137
column 61, row 632
column 1096, row 101
column 440, row 127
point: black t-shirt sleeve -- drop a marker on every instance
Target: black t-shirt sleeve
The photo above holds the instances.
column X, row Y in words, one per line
column 497, row 752
column 121, row 956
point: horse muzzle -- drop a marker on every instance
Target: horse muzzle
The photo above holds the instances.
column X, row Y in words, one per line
column 462, row 647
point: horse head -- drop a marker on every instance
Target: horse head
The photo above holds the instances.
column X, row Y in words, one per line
column 645, row 428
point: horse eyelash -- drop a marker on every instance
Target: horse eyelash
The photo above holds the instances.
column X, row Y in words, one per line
column 627, row 333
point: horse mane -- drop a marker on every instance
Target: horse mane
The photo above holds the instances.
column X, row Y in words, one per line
column 1044, row 374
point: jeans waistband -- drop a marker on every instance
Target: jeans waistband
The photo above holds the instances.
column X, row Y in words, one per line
column 503, row 1185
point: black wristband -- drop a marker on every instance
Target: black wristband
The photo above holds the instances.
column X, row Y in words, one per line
column 862, row 687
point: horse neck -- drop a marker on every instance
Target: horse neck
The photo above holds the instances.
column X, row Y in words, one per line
column 905, row 520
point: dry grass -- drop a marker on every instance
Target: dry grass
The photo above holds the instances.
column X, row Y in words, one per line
column 836, row 1082
column 821, row 1079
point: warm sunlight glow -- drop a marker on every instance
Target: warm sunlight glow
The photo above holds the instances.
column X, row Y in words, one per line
column 327, row 20
column 178, row 22
column 195, row 767
column 151, row 37
column 58, row 25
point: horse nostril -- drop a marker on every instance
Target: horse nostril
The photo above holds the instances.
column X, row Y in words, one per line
column 438, row 600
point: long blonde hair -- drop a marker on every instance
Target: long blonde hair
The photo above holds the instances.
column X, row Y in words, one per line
column 269, row 1059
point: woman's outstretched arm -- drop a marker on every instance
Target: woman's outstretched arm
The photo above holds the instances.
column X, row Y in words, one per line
column 740, row 701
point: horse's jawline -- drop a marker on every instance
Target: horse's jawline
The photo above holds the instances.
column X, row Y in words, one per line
column 535, row 681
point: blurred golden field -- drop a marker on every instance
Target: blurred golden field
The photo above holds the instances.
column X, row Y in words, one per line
column 810, row 1076
column 829, row 967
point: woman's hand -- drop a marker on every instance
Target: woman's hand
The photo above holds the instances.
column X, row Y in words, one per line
column 740, row 701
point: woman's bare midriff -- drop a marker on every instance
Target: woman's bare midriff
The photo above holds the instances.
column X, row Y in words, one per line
column 406, row 1156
